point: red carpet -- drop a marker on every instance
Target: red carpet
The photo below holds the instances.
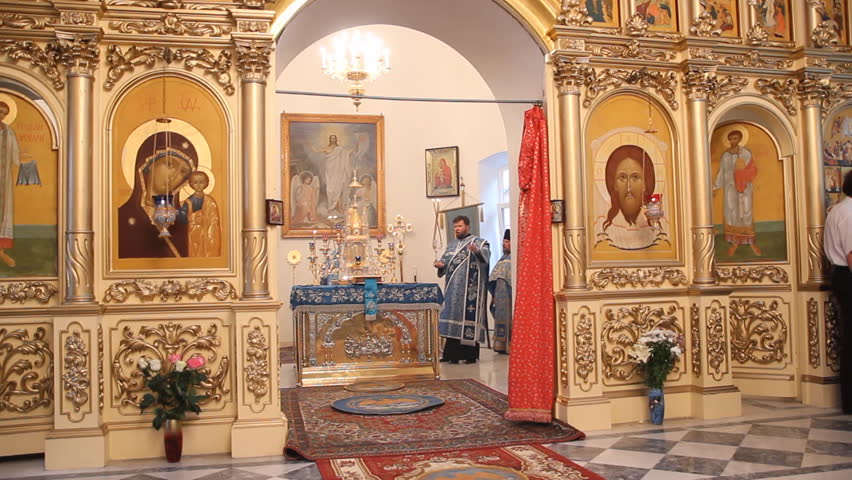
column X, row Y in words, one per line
column 471, row 417
column 520, row 462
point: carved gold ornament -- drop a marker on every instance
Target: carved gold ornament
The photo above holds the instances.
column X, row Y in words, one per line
column 825, row 36
column 754, row 59
column 32, row 22
column 119, row 62
column 640, row 277
column 664, row 83
column 758, row 332
column 702, row 53
column 77, row 18
column 100, row 368
column 75, row 375
column 78, row 53
column 563, row 347
column 623, row 327
column 574, row 14
column 26, row 370
column 632, row 50
column 813, row 90
column 253, row 26
column 754, row 274
column 835, row 94
column 584, row 351
column 813, row 333
column 196, row 289
column 253, row 60
column 782, row 90
column 158, row 343
column 170, row 24
column 705, row 26
column 23, row 291
column 167, row 4
column 637, row 26
column 717, row 347
column 47, row 59
column 695, row 338
column 257, row 364
column 757, row 34
column 832, row 336
column 570, row 74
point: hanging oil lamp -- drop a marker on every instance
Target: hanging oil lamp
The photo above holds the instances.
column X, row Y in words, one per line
column 165, row 213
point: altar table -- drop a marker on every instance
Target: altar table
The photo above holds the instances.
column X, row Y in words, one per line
column 337, row 344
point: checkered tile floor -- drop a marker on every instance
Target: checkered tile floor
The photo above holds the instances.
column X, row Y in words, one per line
column 795, row 442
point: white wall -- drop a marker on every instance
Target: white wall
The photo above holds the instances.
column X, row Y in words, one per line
column 422, row 66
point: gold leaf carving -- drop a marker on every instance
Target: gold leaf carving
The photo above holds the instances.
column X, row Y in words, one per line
column 121, row 63
column 825, row 35
column 166, row 4
column 832, row 335
column 218, row 66
column 563, row 347
column 75, row 376
column 78, row 53
column 253, row 26
column 783, row 90
column 623, row 327
column 170, row 24
column 664, row 83
column 717, row 350
column 257, row 364
column 813, row 333
column 702, row 53
column 754, row 59
column 705, row 26
column 77, row 18
column 695, row 334
column 196, row 289
column 574, row 257
column 754, row 274
column 584, row 350
column 570, row 73
column 158, row 343
column 47, row 60
column 637, row 25
column 632, row 50
column 23, row 291
column 758, row 332
column 640, row 277
column 26, row 370
column 32, row 22
column 757, row 34
column 253, row 60
column 574, row 13
column 100, row 368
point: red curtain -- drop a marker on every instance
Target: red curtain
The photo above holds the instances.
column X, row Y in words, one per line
column 531, row 364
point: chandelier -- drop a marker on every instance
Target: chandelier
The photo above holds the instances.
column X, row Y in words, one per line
column 356, row 59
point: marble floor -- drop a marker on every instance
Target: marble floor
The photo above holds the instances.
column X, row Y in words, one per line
column 777, row 439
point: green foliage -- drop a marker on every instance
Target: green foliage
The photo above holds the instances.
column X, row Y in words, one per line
column 172, row 393
column 660, row 363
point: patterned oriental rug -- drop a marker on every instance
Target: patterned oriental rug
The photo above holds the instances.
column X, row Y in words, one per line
column 520, row 462
column 471, row 417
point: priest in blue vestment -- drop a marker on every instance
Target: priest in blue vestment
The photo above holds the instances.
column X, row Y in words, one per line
column 463, row 320
column 500, row 286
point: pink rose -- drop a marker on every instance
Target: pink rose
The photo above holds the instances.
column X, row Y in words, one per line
column 196, row 362
column 173, row 358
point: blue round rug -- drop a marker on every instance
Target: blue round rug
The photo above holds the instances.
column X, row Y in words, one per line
column 386, row 404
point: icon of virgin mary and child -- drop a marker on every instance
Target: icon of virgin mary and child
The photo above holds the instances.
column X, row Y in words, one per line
column 166, row 162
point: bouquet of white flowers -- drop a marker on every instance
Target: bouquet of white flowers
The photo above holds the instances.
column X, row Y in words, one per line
column 656, row 352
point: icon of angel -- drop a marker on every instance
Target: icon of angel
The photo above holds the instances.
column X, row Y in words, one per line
column 304, row 197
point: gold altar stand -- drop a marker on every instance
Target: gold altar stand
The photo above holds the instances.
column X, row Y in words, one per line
column 338, row 344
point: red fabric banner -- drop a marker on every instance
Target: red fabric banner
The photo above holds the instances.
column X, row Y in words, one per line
column 531, row 364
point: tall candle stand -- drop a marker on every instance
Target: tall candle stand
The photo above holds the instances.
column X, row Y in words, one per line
column 398, row 230
column 437, row 242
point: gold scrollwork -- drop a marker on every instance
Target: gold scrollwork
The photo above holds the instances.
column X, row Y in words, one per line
column 782, row 90
column 196, row 289
column 834, row 95
column 640, row 277
column 754, row 59
column 77, row 18
column 46, row 59
column 75, row 376
column 813, row 333
column 754, row 274
column 253, row 26
column 26, row 370
column 170, row 24
column 705, row 26
column 637, row 25
column 825, row 36
column 832, row 336
column 584, row 350
column 758, row 331
column 167, row 4
column 77, row 52
column 570, row 74
column 757, row 34
column 621, row 330
column 632, row 50
column 574, row 13
column 813, row 90
column 159, row 343
column 121, row 63
column 253, row 60
column 664, row 83
column 563, row 347
column 21, row 292
column 15, row 20
column 717, row 350
column 695, row 339
column 219, row 67
column 100, row 368
column 702, row 53
column 257, row 364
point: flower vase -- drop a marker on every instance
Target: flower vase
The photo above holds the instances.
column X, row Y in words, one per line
column 173, row 440
column 657, row 405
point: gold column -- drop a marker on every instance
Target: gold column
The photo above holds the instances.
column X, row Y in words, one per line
column 696, row 80
column 812, row 89
column 569, row 76
column 79, row 54
column 253, row 65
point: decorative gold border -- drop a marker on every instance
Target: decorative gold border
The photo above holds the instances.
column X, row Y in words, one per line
column 76, row 371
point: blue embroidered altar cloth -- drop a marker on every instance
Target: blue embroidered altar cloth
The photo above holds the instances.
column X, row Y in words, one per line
column 404, row 293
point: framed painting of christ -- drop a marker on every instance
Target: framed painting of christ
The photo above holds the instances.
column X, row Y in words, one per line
column 331, row 163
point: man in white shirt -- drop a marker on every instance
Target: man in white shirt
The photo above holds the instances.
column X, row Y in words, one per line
column 838, row 248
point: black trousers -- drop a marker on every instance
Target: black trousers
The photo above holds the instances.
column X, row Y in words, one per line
column 454, row 351
column 841, row 286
